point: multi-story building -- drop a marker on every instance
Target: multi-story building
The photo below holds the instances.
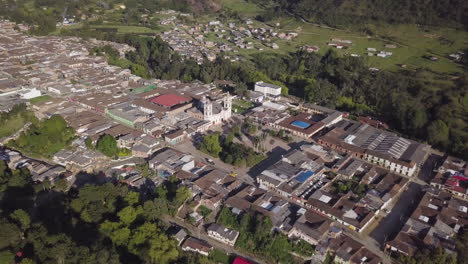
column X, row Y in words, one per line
column 223, row 234
column 386, row 149
column 270, row 90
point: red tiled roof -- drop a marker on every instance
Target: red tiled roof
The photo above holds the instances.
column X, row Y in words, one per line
column 170, row 100
column 240, row 260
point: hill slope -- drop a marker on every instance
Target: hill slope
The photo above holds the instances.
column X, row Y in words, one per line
column 342, row 12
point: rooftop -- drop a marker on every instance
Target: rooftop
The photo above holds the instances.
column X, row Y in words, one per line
column 170, row 100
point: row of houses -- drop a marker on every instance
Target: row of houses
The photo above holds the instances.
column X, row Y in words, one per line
column 435, row 223
column 307, row 179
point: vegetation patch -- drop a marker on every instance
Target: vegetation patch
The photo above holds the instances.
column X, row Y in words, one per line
column 44, row 138
column 15, row 119
column 40, row 99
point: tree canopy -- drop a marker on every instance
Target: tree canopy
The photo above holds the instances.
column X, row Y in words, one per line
column 45, row 138
column 95, row 224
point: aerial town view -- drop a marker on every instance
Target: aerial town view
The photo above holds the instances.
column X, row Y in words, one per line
column 233, row 131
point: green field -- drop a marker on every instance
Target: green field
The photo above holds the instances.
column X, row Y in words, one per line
column 13, row 124
column 40, row 99
column 412, row 42
column 241, row 106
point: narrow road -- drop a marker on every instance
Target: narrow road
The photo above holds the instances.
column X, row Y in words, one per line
column 395, row 220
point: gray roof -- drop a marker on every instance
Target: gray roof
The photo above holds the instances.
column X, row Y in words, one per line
column 225, row 232
column 180, row 235
column 282, row 170
column 269, row 85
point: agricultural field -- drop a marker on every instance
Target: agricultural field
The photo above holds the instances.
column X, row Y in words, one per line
column 413, row 44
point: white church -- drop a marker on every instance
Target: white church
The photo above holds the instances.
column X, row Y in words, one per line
column 214, row 111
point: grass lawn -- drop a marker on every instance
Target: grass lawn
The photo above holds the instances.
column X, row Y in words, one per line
column 241, row 106
column 11, row 125
column 219, row 257
column 40, row 99
column 204, row 211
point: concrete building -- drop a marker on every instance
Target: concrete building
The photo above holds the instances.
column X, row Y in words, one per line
column 270, row 90
column 223, row 234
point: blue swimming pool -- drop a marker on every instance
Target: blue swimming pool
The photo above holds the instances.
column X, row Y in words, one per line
column 304, row 176
column 300, row 124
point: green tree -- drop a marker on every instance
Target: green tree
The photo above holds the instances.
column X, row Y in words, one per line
column 89, row 143
column 329, row 258
column 129, row 214
column 107, row 145
column 162, row 250
column 22, row 218
column 10, row 235
column 61, row 185
column 210, row 144
column 153, row 210
column 182, row 194
column 227, row 218
column 438, row 132
column 132, row 198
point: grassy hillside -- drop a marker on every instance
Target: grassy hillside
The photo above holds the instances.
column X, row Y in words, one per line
column 350, row 12
column 414, row 43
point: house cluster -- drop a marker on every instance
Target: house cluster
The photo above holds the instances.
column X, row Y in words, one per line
column 340, row 43
column 348, row 250
column 40, row 171
column 315, row 178
column 296, row 193
column 96, row 98
column 205, row 41
column 381, row 53
column 120, row 47
column 435, row 223
column 452, row 177
column 336, row 183
column 187, row 46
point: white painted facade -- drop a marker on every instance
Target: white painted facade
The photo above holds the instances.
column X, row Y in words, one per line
column 268, row 89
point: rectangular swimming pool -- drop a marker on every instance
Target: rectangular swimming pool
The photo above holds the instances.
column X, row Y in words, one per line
column 300, row 124
column 304, row 176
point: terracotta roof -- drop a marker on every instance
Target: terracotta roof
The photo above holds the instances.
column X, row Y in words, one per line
column 170, row 100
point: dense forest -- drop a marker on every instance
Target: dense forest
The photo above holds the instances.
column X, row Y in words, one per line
column 433, row 109
column 107, row 223
column 348, row 12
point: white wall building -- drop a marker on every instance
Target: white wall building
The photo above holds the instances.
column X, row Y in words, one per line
column 216, row 112
column 29, row 93
column 270, row 90
column 223, row 234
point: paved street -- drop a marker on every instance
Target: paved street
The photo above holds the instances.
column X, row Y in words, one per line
column 395, row 220
column 427, row 173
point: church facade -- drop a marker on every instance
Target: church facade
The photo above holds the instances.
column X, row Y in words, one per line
column 213, row 111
